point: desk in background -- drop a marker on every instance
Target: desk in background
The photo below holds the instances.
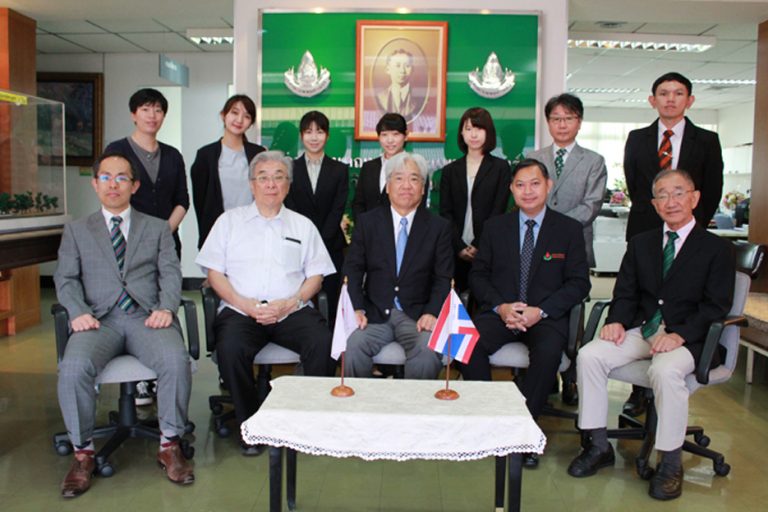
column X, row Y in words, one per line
column 394, row 420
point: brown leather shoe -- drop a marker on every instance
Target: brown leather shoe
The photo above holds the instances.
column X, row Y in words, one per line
column 78, row 479
column 176, row 466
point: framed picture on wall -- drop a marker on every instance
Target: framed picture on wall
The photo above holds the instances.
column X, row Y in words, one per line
column 83, row 98
column 401, row 68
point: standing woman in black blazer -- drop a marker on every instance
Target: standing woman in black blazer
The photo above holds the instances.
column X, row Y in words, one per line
column 220, row 171
column 473, row 188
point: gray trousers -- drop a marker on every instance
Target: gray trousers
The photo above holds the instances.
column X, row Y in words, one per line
column 667, row 375
column 421, row 362
column 88, row 352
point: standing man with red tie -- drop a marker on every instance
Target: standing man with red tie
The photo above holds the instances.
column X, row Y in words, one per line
column 670, row 142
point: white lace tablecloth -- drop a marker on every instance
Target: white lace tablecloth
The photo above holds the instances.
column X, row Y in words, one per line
column 395, row 420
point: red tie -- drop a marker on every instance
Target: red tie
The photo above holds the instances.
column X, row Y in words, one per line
column 665, row 151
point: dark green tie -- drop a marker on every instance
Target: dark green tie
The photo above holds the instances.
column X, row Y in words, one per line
column 651, row 326
column 559, row 163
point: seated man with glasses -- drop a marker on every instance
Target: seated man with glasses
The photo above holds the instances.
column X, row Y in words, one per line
column 674, row 281
column 266, row 262
column 119, row 279
column 399, row 267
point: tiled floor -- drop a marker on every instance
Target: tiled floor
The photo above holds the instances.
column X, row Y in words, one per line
column 735, row 415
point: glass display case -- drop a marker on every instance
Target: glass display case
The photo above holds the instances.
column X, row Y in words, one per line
column 32, row 163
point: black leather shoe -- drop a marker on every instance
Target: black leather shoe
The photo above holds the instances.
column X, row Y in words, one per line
column 636, row 404
column 590, row 460
column 570, row 393
column 667, row 482
column 530, row 460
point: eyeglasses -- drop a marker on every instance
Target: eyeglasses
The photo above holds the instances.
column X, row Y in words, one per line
column 278, row 179
column 676, row 195
column 119, row 179
column 566, row 119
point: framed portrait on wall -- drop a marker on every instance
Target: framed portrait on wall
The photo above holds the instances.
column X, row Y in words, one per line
column 401, row 67
column 83, row 98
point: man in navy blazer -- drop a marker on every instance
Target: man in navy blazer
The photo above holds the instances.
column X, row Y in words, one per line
column 399, row 267
column 319, row 192
column 557, row 279
column 691, row 148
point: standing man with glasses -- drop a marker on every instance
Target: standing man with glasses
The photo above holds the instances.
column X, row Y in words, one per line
column 119, row 279
column 399, row 266
column 673, row 283
column 266, row 262
column 670, row 142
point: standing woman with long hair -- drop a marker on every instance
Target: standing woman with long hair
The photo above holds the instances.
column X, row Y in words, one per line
column 220, row 171
column 473, row 188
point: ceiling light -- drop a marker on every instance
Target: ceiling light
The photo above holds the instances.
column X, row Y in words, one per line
column 604, row 90
column 210, row 36
column 647, row 42
column 723, row 81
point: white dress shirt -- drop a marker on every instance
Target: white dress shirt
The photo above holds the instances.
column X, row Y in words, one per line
column 396, row 222
column 682, row 235
column 125, row 226
column 264, row 258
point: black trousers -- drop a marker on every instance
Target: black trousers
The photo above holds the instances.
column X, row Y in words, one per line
column 545, row 350
column 239, row 338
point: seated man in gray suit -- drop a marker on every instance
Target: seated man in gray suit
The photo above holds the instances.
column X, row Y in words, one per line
column 579, row 176
column 119, row 279
column 399, row 267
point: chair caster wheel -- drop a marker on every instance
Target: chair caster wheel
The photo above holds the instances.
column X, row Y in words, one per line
column 223, row 431
column 187, row 450
column 722, row 469
column 644, row 471
column 217, row 409
column 63, row 447
column 189, row 427
column 106, row 470
column 701, row 440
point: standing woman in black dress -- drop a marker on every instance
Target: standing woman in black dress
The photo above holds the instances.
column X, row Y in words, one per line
column 220, row 171
column 473, row 188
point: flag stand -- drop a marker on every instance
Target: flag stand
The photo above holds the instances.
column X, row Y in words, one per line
column 447, row 393
column 342, row 390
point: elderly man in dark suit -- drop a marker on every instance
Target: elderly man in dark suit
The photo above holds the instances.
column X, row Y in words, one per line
column 399, row 267
column 119, row 279
column 319, row 191
column 670, row 142
column 530, row 270
column 673, row 283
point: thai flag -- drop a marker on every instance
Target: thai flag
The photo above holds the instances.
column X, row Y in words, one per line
column 454, row 324
column 346, row 323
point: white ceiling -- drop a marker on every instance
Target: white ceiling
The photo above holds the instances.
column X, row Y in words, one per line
column 97, row 26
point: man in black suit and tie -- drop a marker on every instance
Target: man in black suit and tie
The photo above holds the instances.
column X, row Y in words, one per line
column 399, row 267
column 319, row 191
column 673, row 283
column 670, row 142
column 530, row 270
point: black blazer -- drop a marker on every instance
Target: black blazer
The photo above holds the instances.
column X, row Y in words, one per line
column 490, row 195
column 367, row 193
column 425, row 274
column 559, row 276
column 698, row 288
column 169, row 190
column 700, row 155
column 206, row 187
column 324, row 206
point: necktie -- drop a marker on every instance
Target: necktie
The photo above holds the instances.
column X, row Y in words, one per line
column 402, row 241
column 526, row 255
column 559, row 161
column 651, row 326
column 665, row 150
column 124, row 302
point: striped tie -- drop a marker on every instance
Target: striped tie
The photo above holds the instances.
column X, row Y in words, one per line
column 526, row 256
column 124, row 302
column 651, row 326
column 559, row 161
column 665, row 151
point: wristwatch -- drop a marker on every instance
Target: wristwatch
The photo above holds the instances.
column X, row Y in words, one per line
column 299, row 303
column 542, row 314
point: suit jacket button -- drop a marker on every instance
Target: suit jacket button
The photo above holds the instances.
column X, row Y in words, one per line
column 661, row 302
column 386, row 312
column 397, row 288
column 124, row 284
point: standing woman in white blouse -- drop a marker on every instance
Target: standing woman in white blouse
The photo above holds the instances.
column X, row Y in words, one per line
column 473, row 188
column 220, row 171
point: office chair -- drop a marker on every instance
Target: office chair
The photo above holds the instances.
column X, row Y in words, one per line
column 125, row 370
column 722, row 335
column 270, row 355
